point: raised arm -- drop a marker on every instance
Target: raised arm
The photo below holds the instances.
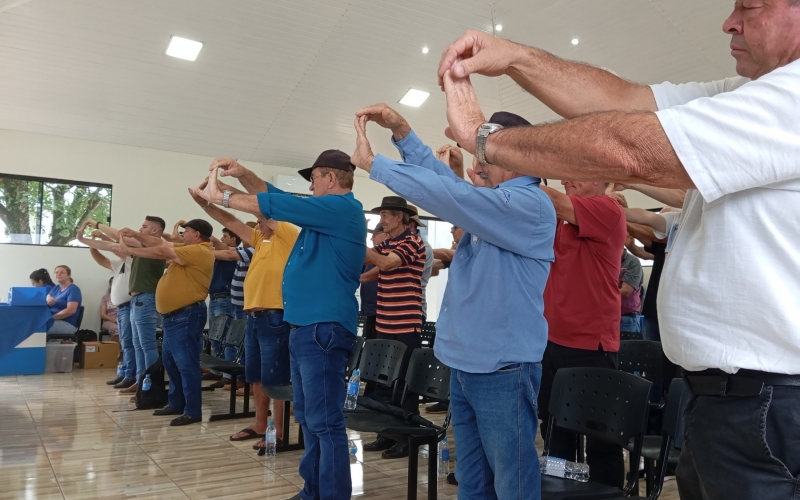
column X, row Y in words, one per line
column 562, row 203
column 568, row 88
column 113, row 233
column 647, row 218
column 636, row 250
column 229, row 254
column 94, row 243
column 227, row 219
column 164, row 252
column 231, row 168
column 667, row 196
column 100, row 258
column 382, row 262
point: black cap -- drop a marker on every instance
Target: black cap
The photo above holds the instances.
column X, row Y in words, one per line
column 201, row 226
column 378, row 229
column 332, row 158
column 394, row 203
column 507, row 119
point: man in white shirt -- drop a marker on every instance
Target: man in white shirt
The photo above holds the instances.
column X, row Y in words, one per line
column 735, row 144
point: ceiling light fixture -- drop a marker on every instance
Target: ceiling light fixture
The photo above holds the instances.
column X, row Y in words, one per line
column 575, row 41
column 414, row 98
column 183, row 48
column 424, row 50
column 498, row 27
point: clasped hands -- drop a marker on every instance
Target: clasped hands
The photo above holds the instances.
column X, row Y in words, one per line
column 211, row 189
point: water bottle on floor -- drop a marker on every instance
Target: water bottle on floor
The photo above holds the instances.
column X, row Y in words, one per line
column 351, row 401
column 353, row 450
column 270, row 440
column 444, row 458
column 558, row 467
column 119, row 369
column 147, row 383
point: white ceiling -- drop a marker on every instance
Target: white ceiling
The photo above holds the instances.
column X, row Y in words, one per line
column 278, row 81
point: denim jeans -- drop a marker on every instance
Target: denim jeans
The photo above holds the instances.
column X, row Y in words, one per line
column 126, row 342
column 318, row 355
column 494, row 423
column 650, row 330
column 144, row 319
column 267, row 348
column 742, row 448
column 181, row 358
column 629, row 324
column 220, row 306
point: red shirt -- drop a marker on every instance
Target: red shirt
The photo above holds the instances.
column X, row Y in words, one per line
column 581, row 299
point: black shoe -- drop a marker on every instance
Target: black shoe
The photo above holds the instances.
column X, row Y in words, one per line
column 399, row 450
column 185, row 420
column 437, row 408
column 296, row 497
column 212, row 376
column 166, row 411
column 115, row 381
column 451, row 479
column 126, row 382
column 380, row 444
column 219, row 384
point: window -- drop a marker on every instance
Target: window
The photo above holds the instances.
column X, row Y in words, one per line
column 37, row 211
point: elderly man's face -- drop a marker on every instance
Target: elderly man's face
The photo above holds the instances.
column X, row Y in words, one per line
column 492, row 175
column 577, row 188
column 457, row 233
column 322, row 183
column 391, row 222
column 765, row 35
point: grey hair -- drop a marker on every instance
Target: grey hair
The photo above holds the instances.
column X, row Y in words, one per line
column 406, row 217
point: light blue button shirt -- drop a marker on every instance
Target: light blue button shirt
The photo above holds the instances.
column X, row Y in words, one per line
column 492, row 313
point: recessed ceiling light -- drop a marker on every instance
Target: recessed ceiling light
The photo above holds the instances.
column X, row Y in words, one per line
column 498, row 27
column 424, row 50
column 575, row 41
column 183, row 48
column 414, row 98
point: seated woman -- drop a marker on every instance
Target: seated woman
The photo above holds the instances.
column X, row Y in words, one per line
column 64, row 300
column 108, row 312
column 41, row 278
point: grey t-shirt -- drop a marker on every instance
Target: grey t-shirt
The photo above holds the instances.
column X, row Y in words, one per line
column 633, row 274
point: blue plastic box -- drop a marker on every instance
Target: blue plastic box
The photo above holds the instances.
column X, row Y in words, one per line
column 27, row 296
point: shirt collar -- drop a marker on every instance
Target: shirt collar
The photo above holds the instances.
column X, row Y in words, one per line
column 525, row 180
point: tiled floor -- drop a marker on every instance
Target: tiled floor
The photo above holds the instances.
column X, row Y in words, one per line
column 70, row 436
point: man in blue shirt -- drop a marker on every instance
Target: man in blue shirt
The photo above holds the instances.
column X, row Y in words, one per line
column 491, row 329
column 320, row 282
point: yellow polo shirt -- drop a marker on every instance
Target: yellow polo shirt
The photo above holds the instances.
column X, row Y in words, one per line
column 264, row 280
column 187, row 282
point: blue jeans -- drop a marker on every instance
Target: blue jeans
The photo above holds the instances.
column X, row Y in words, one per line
column 629, row 324
column 267, row 351
column 650, row 330
column 126, row 342
column 220, row 306
column 181, row 358
column 144, row 319
column 61, row 327
column 494, row 423
column 318, row 355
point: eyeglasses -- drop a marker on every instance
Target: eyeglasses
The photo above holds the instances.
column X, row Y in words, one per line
column 315, row 177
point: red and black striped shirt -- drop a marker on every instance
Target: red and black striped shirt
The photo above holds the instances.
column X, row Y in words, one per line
column 399, row 307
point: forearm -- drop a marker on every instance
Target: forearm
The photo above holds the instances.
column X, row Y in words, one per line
column 146, row 240
column 371, row 275
column 630, row 148
column 443, row 253
column 245, row 203
column 67, row 312
column 639, row 251
column 670, row 197
column 383, row 262
column 108, row 231
column 101, row 259
column 572, row 89
column 230, row 255
column 159, row 252
column 97, row 244
column 642, row 233
column 229, row 221
column 252, row 183
column 647, row 218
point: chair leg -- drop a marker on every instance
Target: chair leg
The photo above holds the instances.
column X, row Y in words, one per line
column 433, row 470
column 413, row 464
column 649, row 467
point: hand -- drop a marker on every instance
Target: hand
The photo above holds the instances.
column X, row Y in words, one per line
column 452, row 156
column 618, row 186
column 476, row 179
column 363, row 156
column 229, row 167
column 477, row 52
column 179, row 223
column 97, row 234
column 620, row 198
column 50, row 300
column 208, row 190
column 386, row 117
column 91, row 223
column 463, row 112
column 82, row 229
column 126, row 233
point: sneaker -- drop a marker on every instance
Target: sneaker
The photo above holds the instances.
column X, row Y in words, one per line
column 437, row 408
column 124, row 383
column 212, row 376
column 115, row 381
column 451, row 479
column 166, row 411
column 185, row 420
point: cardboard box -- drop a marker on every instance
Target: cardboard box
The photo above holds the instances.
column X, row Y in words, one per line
column 99, row 355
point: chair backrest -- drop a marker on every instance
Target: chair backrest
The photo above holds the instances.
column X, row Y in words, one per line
column 606, row 404
column 428, row 334
column 630, row 335
column 352, row 363
column 643, row 357
column 672, row 422
column 427, row 376
column 80, row 317
column 216, row 327
column 236, row 332
column 380, row 361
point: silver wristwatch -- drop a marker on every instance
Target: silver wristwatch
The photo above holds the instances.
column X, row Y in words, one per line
column 483, row 133
column 226, row 197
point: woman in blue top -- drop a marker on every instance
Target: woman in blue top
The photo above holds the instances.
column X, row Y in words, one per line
column 41, row 278
column 64, row 301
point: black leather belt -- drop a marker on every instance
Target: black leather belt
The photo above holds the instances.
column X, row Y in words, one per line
column 264, row 312
column 219, row 295
column 745, row 383
column 183, row 309
column 630, row 315
column 126, row 304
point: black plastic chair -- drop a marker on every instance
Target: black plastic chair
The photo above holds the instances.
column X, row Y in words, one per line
column 234, row 338
column 642, row 357
column 426, row 376
column 380, row 361
column 428, row 334
column 605, row 404
column 352, row 363
column 630, row 336
column 216, row 327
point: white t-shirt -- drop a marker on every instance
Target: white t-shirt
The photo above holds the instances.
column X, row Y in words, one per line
column 119, row 287
column 672, row 224
column 730, row 291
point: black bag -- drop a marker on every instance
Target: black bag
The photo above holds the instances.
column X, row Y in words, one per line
column 156, row 397
column 82, row 336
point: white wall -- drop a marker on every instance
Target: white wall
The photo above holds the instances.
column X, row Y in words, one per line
column 145, row 182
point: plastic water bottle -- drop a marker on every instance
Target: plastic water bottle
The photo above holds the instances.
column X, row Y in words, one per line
column 351, row 401
column 444, row 458
column 147, row 383
column 270, row 440
column 559, row 467
column 119, row 369
column 353, row 449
